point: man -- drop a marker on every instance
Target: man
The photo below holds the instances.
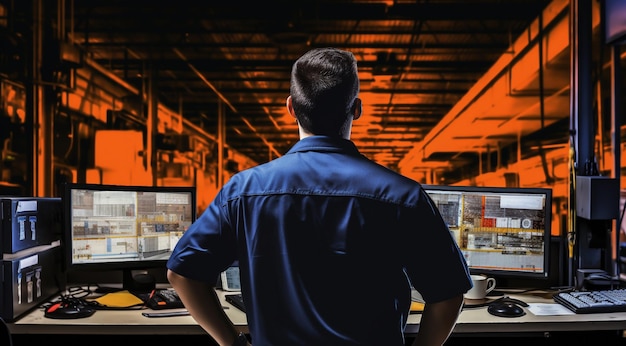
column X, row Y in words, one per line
column 328, row 242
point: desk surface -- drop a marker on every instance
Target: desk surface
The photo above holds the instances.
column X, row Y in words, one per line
column 472, row 320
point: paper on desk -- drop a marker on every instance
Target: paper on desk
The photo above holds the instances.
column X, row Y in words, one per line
column 548, row 309
column 416, row 307
column 121, row 299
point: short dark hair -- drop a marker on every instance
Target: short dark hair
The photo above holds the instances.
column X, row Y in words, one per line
column 324, row 87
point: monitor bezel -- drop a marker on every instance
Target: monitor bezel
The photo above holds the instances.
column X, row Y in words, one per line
column 521, row 276
column 71, row 266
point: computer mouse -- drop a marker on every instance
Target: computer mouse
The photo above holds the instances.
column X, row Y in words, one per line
column 63, row 310
column 506, row 309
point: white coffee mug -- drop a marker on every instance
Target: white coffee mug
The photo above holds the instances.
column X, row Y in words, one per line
column 482, row 286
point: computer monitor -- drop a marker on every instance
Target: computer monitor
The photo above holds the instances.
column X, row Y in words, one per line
column 124, row 228
column 503, row 232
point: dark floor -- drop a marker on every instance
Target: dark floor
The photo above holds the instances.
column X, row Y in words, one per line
column 603, row 338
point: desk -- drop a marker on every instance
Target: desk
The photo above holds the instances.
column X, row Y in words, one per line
column 474, row 321
column 478, row 320
column 123, row 322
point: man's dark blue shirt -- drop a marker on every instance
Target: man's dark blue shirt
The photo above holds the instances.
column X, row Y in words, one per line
column 328, row 243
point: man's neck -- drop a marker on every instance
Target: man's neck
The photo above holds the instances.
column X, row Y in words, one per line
column 304, row 134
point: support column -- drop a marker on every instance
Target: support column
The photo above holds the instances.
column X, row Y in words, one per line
column 39, row 119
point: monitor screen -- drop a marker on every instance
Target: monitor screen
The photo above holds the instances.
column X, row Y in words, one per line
column 112, row 227
column 502, row 231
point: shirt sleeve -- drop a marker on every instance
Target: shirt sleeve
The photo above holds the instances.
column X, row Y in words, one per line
column 435, row 265
column 207, row 248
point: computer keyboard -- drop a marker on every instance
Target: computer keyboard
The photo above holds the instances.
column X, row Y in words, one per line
column 599, row 301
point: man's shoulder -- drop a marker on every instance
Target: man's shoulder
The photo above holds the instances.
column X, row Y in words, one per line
column 253, row 175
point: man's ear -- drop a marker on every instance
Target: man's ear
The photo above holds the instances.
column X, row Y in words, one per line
column 357, row 109
column 290, row 107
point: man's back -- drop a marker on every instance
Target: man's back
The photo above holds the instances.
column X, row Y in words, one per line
column 324, row 238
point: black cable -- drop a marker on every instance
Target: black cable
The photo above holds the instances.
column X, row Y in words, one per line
column 78, row 291
column 76, row 295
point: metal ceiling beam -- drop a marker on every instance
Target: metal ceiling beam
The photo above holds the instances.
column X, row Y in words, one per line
column 147, row 40
column 208, row 64
column 319, row 10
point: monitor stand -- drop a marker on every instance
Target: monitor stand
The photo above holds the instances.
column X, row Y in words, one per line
column 138, row 281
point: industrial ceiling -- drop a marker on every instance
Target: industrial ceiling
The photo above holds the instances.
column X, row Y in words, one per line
column 418, row 60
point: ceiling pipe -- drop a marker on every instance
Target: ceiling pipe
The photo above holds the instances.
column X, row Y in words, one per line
column 110, row 75
column 225, row 100
column 542, row 102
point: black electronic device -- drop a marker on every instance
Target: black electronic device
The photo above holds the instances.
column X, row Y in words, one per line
column 131, row 229
column 29, row 278
column 164, row 299
column 30, row 242
column 236, row 300
column 27, row 222
column 503, row 232
column 69, row 308
column 596, row 196
column 506, row 308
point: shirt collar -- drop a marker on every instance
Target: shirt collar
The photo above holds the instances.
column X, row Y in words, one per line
column 324, row 144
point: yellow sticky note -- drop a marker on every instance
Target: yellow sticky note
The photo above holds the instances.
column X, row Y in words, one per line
column 416, row 307
column 121, row 299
